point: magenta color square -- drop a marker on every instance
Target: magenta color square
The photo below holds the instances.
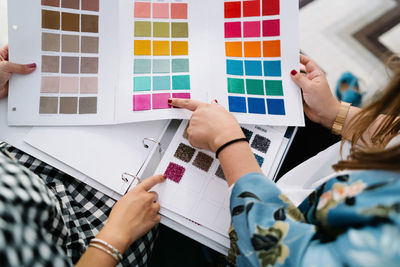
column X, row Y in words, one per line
column 181, row 95
column 160, row 101
column 161, row 10
column 271, row 28
column 142, row 10
column 174, row 172
column 233, row 29
column 141, row 102
column 252, row 29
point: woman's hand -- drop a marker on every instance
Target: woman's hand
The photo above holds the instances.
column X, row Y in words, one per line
column 211, row 125
column 8, row 68
column 320, row 105
column 133, row 215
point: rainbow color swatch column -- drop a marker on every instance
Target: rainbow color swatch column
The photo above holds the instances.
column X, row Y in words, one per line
column 161, row 54
column 253, row 51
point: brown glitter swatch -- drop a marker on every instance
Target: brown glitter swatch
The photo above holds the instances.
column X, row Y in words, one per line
column 203, row 161
column 184, row 152
column 220, row 173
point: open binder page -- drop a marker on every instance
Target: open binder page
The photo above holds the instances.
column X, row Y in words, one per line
column 74, row 47
column 196, row 187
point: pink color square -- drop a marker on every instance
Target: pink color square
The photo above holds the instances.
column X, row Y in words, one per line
column 179, row 11
column 142, row 10
column 251, row 29
column 271, row 28
column 174, row 172
column 233, row 29
column 161, row 10
column 141, row 102
column 160, row 101
column 181, row 95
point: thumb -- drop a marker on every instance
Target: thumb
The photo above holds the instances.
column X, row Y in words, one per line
column 19, row 68
column 300, row 79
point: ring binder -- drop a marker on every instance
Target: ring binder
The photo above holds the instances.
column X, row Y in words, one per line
column 152, row 140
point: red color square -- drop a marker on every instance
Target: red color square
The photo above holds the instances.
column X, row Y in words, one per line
column 179, row 11
column 233, row 10
column 142, row 10
column 141, row 102
column 160, row 101
column 271, row 28
column 251, row 29
column 174, row 172
column 251, row 8
column 233, row 29
column 270, row 7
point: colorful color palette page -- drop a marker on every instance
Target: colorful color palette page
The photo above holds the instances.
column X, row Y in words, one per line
column 260, row 43
column 196, row 186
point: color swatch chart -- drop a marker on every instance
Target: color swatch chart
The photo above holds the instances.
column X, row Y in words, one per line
column 196, row 187
column 161, row 54
column 253, row 51
column 70, row 57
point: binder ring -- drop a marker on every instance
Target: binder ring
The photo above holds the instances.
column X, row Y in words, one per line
column 154, row 141
column 126, row 180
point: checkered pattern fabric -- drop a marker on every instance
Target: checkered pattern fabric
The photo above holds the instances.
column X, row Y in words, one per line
column 68, row 216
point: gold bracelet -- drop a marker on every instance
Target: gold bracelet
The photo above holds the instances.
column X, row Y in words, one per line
column 337, row 126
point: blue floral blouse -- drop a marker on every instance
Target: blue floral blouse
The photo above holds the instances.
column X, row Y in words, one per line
column 351, row 220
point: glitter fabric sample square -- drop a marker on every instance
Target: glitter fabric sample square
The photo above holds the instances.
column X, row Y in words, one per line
column 174, row 172
column 203, row 161
column 261, row 143
column 247, row 133
column 184, row 152
column 220, row 173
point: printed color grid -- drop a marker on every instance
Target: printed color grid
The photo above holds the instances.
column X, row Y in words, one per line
column 161, row 54
column 70, row 57
column 253, row 51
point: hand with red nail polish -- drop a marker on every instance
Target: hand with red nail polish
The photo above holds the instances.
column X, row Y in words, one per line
column 320, row 105
column 7, row 69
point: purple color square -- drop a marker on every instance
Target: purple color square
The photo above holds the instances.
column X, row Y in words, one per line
column 174, row 172
column 271, row 28
column 141, row 102
column 233, row 29
column 251, row 29
column 160, row 101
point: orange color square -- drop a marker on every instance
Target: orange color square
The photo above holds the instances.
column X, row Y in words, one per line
column 233, row 49
column 180, row 48
column 252, row 49
column 272, row 48
column 142, row 47
column 161, row 48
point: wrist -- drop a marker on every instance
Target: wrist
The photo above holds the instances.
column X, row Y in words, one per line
column 329, row 117
column 115, row 238
column 226, row 137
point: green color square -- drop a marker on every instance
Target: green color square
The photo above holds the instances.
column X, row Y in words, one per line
column 255, row 87
column 161, row 66
column 142, row 29
column 142, row 84
column 161, row 29
column 161, row 83
column 181, row 82
column 180, row 65
column 142, row 66
column 274, row 88
column 236, row 86
column 180, row 30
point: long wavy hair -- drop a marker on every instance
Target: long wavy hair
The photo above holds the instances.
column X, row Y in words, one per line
column 374, row 154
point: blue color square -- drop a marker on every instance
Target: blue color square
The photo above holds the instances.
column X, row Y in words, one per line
column 256, row 105
column 272, row 68
column 260, row 160
column 276, row 107
column 161, row 83
column 253, row 68
column 237, row 104
column 234, row 67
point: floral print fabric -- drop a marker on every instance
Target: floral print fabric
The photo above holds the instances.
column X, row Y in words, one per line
column 351, row 220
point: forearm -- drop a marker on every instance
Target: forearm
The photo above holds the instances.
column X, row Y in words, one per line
column 238, row 160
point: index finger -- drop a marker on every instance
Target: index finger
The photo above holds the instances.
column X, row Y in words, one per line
column 148, row 183
column 189, row 104
column 308, row 63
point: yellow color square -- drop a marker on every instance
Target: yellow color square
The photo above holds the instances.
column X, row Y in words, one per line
column 142, row 48
column 180, row 48
column 161, row 48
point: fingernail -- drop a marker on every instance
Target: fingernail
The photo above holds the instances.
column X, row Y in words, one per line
column 32, row 66
column 216, row 101
column 169, row 101
column 293, row 72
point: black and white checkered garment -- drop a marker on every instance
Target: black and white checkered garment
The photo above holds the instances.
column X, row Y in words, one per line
column 52, row 218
